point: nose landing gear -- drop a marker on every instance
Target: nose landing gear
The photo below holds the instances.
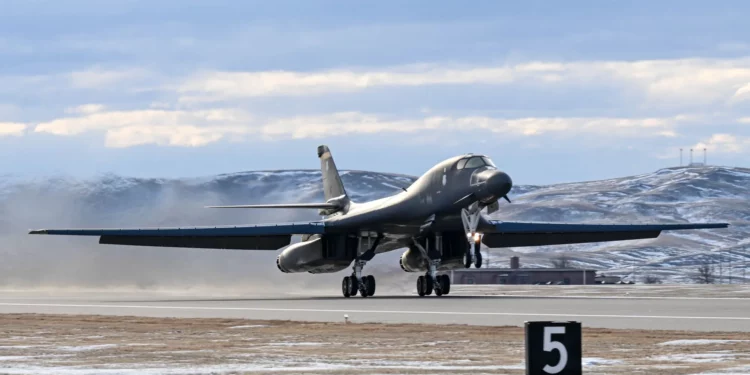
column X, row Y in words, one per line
column 470, row 218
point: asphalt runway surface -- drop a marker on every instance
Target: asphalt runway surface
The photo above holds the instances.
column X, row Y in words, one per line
column 463, row 307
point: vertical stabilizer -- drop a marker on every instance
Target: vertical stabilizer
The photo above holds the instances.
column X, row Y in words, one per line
column 332, row 186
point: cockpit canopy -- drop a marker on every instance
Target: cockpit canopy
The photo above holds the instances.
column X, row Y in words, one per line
column 471, row 162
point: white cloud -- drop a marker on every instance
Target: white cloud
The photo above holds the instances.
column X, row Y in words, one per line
column 11, row 129
column 85, row 109
column 201, row 127
column 742, row 93
column 679, row 80
column 724, row 143
column 95, row 77
column 175, row 128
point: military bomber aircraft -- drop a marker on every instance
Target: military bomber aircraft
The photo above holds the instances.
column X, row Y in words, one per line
column 439, row 219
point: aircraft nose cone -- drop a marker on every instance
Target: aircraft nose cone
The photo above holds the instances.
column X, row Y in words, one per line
column 499, row 183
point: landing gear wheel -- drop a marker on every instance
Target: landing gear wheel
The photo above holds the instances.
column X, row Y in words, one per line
column 353, row 285
column 363, row 289
column 467, row 258
column 363, row 286
column 429, row 285
column 421, row 286
column 477, row 256
column 370, row 282
column 345, row 287
column 445, row 283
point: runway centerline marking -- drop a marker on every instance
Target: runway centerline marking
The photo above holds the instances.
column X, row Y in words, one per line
column 395, row 312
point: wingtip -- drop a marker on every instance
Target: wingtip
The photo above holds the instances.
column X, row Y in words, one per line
column 38, row 231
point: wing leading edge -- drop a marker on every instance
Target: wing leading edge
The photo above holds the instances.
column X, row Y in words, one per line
column 250, row 237
column 518, row 234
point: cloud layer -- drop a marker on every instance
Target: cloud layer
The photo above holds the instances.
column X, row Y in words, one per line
column 691, row 80
column 201, row 127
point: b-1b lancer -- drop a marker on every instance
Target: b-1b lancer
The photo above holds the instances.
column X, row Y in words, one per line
column 439, row 219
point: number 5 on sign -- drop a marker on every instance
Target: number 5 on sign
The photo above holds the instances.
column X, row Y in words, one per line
column 550, row 345
column 553, row 348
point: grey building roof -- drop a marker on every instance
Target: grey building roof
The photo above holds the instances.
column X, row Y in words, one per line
column 524, row 270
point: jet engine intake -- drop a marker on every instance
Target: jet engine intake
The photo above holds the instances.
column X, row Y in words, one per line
column 452, row 258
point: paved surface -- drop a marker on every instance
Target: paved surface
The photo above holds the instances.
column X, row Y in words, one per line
column 463, row 307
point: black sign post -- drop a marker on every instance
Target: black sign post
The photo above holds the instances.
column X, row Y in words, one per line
column 553, row 348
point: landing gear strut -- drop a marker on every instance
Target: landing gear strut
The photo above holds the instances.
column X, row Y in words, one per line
column 431, row 281
column 356, row 283
column 470, row 218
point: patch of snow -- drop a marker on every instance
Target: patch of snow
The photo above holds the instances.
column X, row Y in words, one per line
column 15, row 358
column 84, row 348
column 741, row 370
column 390, row 186
column 249, row 326
column 593, row 361
column 695, row 357
column 296, row 344
column 701, row 342
column 20, row 346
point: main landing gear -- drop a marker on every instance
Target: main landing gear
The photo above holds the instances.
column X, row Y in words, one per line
column 470, row 218
column 441, row 285
column 431, row 281
column 356, row 283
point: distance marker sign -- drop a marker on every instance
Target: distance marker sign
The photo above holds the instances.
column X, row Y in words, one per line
column 553, row 348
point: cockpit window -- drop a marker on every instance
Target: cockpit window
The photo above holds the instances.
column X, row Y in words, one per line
column 475, row 162
column 488, row 161
column 461, row 163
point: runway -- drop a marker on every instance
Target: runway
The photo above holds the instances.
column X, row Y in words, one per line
column 465, row 307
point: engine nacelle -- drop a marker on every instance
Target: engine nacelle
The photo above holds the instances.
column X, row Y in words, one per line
column 308, row 256
column 412, row 261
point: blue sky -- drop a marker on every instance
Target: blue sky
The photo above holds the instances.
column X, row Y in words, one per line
column 552, row 91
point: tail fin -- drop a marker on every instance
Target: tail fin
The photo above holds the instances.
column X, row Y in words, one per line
column 332, row 186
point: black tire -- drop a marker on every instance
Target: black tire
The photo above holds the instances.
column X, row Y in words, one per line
column 420, row 286
column 446, row 284
column 440, row 286
column 370, row 281
column 353, row 286
column 345, row 287
column 428, row 280
column 467, row 259
column 477, row 256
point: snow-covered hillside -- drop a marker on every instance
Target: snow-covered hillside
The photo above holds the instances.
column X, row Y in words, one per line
column 668, row 195
column 671, row 195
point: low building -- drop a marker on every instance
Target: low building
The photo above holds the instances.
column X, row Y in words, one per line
column 517, row 275
column 564, row 276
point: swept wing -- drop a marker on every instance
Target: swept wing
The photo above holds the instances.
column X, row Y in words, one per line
column 517, row 234
column 247, row 237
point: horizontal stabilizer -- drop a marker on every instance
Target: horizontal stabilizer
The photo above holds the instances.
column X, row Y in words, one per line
column 291, row 205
